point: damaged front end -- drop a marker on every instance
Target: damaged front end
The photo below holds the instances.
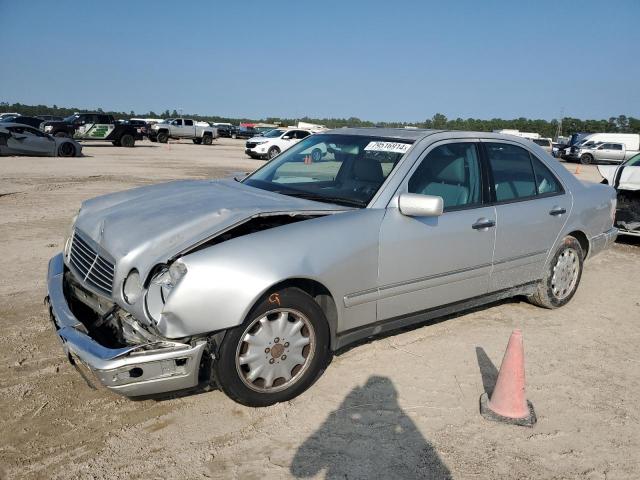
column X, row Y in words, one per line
column 117, row 350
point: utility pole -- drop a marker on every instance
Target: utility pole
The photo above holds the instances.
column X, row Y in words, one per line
column 559, row 130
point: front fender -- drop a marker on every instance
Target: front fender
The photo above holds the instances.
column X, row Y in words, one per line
column 223, row 282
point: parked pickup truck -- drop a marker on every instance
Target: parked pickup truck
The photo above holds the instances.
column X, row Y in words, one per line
column 604, row 152
column 179, row 128
column 93, row 126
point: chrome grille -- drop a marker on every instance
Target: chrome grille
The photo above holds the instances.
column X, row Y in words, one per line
column 90, row 267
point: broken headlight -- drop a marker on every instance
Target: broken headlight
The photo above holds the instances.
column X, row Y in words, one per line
column 161, row 286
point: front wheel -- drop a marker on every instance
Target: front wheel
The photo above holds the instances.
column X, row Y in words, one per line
column 562, row 276
column 277, row 353
column 207, row 140
column 162, row 137
column 586, row 159
column 273, row 152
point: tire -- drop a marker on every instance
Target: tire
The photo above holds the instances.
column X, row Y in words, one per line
column 273, row 153
column 586, row 159
column 162, row 137
column 153, row 139
column 127, row 140
column 562, row 276
column 207, row 140
column 67, row 149
column 276, row 315
column 197, row 141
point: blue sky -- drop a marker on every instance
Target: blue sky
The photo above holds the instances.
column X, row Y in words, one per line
column 392, row 60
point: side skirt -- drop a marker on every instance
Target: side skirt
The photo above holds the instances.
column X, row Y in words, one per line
column 353, row 335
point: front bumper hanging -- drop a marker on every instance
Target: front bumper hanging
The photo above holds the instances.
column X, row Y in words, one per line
column 135, row 370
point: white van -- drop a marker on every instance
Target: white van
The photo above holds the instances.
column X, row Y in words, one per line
column 631, row 141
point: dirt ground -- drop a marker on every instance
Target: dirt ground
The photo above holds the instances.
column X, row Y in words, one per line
column 401, row 406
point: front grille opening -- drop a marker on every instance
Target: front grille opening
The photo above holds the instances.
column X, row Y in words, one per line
column 90, row 267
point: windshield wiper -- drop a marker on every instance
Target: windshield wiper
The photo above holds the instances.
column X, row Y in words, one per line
column 350, row 202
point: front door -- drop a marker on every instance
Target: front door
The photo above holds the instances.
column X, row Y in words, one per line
column 426, row 262
column 531, row 208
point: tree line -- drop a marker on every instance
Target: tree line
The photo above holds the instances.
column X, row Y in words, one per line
column 546, row 128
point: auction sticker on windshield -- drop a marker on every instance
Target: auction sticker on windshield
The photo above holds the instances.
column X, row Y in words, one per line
column 395, row 147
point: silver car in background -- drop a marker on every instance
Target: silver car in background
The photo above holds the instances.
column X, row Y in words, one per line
column 254, row 283
column 19, row 139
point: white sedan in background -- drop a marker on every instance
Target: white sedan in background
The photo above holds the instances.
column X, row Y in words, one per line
column 272, row 143
column 18, row 139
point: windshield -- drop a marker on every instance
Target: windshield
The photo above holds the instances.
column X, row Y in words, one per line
column 273, row 133
column 633, row 161
column 71, row 118
column 341, row 169
column 167, row 120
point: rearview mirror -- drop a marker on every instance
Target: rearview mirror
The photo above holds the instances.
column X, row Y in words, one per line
column 416, row 205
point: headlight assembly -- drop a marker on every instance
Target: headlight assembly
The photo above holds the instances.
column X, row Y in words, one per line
column 161, row 286
column 132, row 287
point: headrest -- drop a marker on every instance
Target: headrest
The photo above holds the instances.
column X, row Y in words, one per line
column 368, row 170
column 447, row 169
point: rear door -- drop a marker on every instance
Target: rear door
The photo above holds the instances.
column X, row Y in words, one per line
column 532, row 207
column 610, row 152
column 189, row 130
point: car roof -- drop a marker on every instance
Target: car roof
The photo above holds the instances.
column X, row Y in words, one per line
column 399, row 133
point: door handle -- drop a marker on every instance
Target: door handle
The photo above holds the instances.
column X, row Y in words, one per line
column 483, row 224
column 557, row 211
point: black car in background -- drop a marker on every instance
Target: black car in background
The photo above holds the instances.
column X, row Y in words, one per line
column 227, row 131
column 31, row 121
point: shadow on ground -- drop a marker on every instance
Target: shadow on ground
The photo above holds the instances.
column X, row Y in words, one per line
column 488, row 371
column 369, row 436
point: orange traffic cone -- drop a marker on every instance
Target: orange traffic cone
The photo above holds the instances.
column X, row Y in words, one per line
column 577, row 172
column 508, row 401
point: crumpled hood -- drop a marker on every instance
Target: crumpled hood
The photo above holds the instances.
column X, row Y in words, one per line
column 146, row 226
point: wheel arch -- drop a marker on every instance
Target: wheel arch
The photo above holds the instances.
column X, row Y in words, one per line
column 582, row 239
column 316, row 290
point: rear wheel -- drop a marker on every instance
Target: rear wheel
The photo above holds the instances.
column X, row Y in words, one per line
column 127, row 140
column 277, row 353
column 562, row 277
column 163, row 137
column 67, row 149
column 586, row 159
column 207, row 140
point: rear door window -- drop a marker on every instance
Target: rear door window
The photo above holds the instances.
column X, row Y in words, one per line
column 513, row 177
column 188, row 123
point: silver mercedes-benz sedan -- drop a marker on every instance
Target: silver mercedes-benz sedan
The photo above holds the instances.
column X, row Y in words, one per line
column 350, row 233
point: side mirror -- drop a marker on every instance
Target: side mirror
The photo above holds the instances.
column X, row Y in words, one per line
column 286, row 137
column 416, row 205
